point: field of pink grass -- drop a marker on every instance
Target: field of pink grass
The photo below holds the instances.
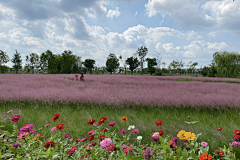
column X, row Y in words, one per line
column 120, row 90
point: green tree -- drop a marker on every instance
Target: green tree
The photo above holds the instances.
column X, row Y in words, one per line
column 151, row 63
column 124, row 64
column 3, row 59
column 112, row 63
column 89, row 64
column 27, row 65
column 17, row 61
column 174, row 65
column 227, row 64
column 141, row 53
column 67, row 61
column 34, row 61
column 205, row 71
column 133, row 63
column 47, row 61
column 212, row 70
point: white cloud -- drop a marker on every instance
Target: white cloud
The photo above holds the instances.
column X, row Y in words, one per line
column 136, row 13
column 113, row 13
column 212, row 34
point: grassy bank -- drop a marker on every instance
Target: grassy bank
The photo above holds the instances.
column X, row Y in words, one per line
column 75, row 118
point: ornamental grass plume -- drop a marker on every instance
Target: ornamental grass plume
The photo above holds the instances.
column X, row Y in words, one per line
column 16, row 118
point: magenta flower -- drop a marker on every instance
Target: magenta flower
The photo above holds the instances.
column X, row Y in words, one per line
column 16, row 118
column 16, row 145
column 72, row 150
column 84, row 139
column 106, row 142
column 175, row 139
column 124, row 147
column 26, row 128
column 184, row 140
column 123, row 131
column 92, row 144
column 235, row 143
column 128, row 149
column 32, row 131
column 204, row 144
column 66, row 135
column 112, row 123
column 135, row 131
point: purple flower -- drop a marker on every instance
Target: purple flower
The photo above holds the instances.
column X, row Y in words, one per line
column 204, row 144
column 235, row 143
column 66, row 135
column 147, row 153
column 175, row 139
column 112, row 123
column 123, row 131
column 92, row 144
column 26, row 128
column 16, row 118
column 16, row 145
column 135, row 131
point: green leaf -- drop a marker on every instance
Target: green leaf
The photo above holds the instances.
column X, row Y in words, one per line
column 194, row 156
column 179, row 152
column 2, row 126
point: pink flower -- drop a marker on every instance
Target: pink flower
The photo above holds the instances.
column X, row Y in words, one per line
column 16, row 118
column 92, row 144
column 135, row 131
column 90, row 133
column 84, row 139
column 53, row 129
column 66, row 135
column 106, row 142
column 32, row 131
column 37, row 135
column 123, row 131
column 40, row 128
column 128, row 149
column 84, row 156
column 71, row 140
column 204, row 144
column 72, row 150
column 112, row 123
column 9, row 111
column 46, row 125
column 22, row 136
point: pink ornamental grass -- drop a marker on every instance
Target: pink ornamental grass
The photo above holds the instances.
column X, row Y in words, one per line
column 121, row 90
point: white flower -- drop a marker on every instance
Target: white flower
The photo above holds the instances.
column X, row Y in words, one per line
column 139, row 138
column 131, row 127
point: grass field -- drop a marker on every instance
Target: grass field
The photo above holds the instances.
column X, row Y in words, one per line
column 24, row 96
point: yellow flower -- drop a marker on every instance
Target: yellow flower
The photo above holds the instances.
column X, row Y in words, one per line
column 192, row 137
column 181, row 134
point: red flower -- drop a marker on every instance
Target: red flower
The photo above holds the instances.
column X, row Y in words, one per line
column 77, row 140
column 160, row 132
column 237, row 132
column 91, row 121
column 25, row 124
column 130, row 144
column 104, row 129
column 237, row 137
column 91, row 138
column 159, row 122
column 60, row 126
column 219, row 129
column 221, row 153
column 171, row 144
column 110, row 147
column 48, row 144
column 84, row 156
column 102, row 120
column 56, row 116
column 102, row 137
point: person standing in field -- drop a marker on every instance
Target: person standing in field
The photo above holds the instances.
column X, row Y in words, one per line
column 81, row 78
column 76, row 77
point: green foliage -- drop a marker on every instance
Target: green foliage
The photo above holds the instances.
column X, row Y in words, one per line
column 47, row 61
column 212, row 70
column 133, row 63
column 227, row 64
column 89, row 63
column 112, row 63
column 205, row 71
column 151, row 63
column 141, row 53
column 17, row 61
column 3, row 59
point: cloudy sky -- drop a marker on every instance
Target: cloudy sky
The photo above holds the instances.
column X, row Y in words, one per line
column 188, row 30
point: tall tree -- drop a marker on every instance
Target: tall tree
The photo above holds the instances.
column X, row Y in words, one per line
column 47, row 61
column 34, row 61
column 151, row 63
column 68, row 60
column 17, row 61
column 158, row 60
column 89, row 64
column 141, row 53
column 133, row 63
column 3, row 59
column 27, row 64
column 112, row 63
column 180, row 65
column 174, row 65
column 124, row 63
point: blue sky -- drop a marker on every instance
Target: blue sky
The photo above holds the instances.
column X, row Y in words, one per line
column 178, row 29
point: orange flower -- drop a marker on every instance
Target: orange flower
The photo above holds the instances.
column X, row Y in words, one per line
column 25, row 124
column 42, row 136
column 205, row 157
column 124, row 118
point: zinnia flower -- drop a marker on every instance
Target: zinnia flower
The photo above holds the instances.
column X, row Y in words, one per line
column 112, row 123
column 128, row 149
column 16, row 145
column 135, row 131
column 235, row 143
column 219, row 129
column 221, row 153
column 104, row 129
column 53, row 129
column 159, row 122
column 72, row 150
column 37, row 135
column 48, row 144
column 71, row 140
column 92, row 144
column 204, row 144
column 139, row 138
column 60, row 127
column 175, row 139
column 237, row 132
column 16, row 118
column 205, row 156
column 25, row 124
column 181, row 134
column 56, row 116
column 160, row 132
column 90, row 133
column 84, row 156
column 124, row 118
column 123, row 131
column 91, row 138
column 131, row 127
column 26, row 128
column 66, row 135
column 9, row 111
column 77, row 140
column 102, row 120
column 110, row 147
column 91, row 121
column 32, row 131
column 22, row 136
column 84, row 139
column 46, row 125
column 106, row 142
column 102, row 137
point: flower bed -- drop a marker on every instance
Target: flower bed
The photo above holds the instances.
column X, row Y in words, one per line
column 102, row 142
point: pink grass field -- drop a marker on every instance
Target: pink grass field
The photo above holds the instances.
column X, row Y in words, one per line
column 120, row 90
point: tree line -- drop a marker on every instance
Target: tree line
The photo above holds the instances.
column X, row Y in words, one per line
column 224, row 64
